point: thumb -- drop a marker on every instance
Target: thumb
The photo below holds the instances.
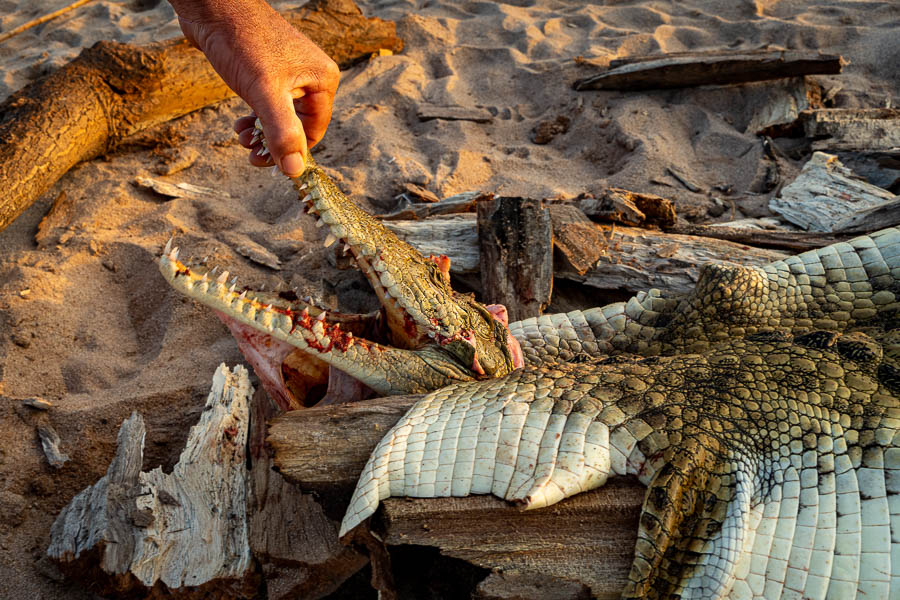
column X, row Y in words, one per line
column 285, row 138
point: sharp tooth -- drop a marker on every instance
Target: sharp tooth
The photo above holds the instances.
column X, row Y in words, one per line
column 349, row 335
column 346, row 248
column 205, row 260
column 321, row 316
column 242, row 295
column 307, row 299
column 275, row 170
column 222, row 278
column 305, row 198
column 205, row 278
column 320, row 223
column 174, row 256
column 255, row 139
column 168, row 247
column 387, row 295
column 302, row 187
column 231, row 289
column 263, row 152
column 329, row 240
column 214, row 269
column 262, row 288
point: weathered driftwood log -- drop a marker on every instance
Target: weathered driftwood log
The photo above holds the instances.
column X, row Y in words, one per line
column 869, row 129
column 428, row 112
column 789, row 241
column 211, row 527
column 635, row 259
column 112, row 90
column 588, row 538
column 134, row 531
column 459, row 203
column 515, row 239
column 685, row 69
column 827, row 197
column 578, row 243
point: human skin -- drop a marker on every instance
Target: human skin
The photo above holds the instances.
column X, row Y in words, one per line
column 288, row 81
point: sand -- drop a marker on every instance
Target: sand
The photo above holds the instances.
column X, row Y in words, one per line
column 90, row 325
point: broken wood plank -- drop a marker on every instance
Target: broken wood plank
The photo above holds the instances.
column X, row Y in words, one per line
column 112, row 90
column 789, row 241
column 578, row 243
column 778, row 110
column 588, row 538
column 630, row 208
column 863, row 129
column 688, row 69
column 826, row 196
column 515, row 240
column 135, row 530
column 455, row 236
column 429, row 112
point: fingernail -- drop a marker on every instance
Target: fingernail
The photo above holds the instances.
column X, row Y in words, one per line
column 292, row 165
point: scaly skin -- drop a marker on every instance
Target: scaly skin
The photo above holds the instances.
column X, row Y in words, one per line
column 765, row 422
column 435, row 336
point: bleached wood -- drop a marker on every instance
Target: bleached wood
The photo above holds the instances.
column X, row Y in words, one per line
column 863, row 129
column 827, row 197
column 134, row 530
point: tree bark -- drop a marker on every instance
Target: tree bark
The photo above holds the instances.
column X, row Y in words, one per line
column 515, row 238
column 112, row 90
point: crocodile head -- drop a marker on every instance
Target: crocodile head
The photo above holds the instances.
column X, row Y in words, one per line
column 425, row 337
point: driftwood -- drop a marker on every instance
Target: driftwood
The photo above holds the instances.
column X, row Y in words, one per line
column 211, row 527
column 686, row 69
column 112, row 90
column 459, row 203
column 864, row 129
column 827, row 197
column 516, row 244
column 635, row 259
column 136, row 531
column 428, row 112
column 779, row 109
column 789, row 241
column 630, row 208
column 588, row 538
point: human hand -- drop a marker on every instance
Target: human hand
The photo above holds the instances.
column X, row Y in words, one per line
column 286, row 79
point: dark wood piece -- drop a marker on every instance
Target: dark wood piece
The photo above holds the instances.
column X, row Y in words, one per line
column 578, row 242
column 516, row 242
column 111, row 91
column 791, row 241
column 688, row 69
column 630, row 208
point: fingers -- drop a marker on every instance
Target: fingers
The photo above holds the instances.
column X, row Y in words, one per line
column 315, row 113
column 285, row 138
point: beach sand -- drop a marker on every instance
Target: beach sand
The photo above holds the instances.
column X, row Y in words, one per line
column 90, row 325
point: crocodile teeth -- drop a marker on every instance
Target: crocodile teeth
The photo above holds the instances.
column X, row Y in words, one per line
column 205, row 278
column 263, row 152
column 275, row 170
column 214, row 269
column 306, row 197
column 174, row 255
column 255, row 139
column 329, row 240
column 321, row 316
column 168, row 247
column 346, row 248
column 302, row 187
column 222, row 278
column 231, row 289
column 242, row 295
column 320, row 223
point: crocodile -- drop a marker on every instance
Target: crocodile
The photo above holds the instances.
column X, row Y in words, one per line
column 761, row 411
